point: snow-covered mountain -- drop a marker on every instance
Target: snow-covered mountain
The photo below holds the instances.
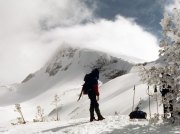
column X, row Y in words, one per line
column 68, row 65
column 63, row 75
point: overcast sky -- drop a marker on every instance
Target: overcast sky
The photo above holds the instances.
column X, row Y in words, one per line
column 31, row 30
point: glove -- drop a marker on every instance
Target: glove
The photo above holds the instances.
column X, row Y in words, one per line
column 97, row 98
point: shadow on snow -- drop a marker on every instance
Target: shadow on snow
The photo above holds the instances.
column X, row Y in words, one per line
column 64, row 127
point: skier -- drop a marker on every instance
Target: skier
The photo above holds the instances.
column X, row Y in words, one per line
column 91, row 88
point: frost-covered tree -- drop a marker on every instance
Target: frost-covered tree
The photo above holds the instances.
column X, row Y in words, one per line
column 56, row 102
column 21, row 119
column 167, row 74
column 39, row 114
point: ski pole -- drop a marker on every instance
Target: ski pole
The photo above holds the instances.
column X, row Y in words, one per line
column 133, row 98
column 80, row 95
column 149, row 103
column 155, row 91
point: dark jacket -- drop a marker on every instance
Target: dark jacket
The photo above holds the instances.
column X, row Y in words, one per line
column 91, row 81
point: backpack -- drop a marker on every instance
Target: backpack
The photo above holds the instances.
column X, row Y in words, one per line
column 138, row 115
column 87, row 86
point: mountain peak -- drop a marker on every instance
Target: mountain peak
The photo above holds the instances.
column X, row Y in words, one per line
column 71, row 59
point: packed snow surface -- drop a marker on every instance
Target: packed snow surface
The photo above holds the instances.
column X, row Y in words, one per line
column 111, row 125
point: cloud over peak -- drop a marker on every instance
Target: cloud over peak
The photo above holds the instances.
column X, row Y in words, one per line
column 121, row 36
column 31, row 31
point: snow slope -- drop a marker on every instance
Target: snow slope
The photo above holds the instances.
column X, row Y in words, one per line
column 63, row 75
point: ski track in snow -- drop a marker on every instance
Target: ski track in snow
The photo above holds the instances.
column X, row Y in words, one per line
column 111, row 125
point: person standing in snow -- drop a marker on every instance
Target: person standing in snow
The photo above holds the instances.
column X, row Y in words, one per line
column 90, row 88
column 94, row 96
